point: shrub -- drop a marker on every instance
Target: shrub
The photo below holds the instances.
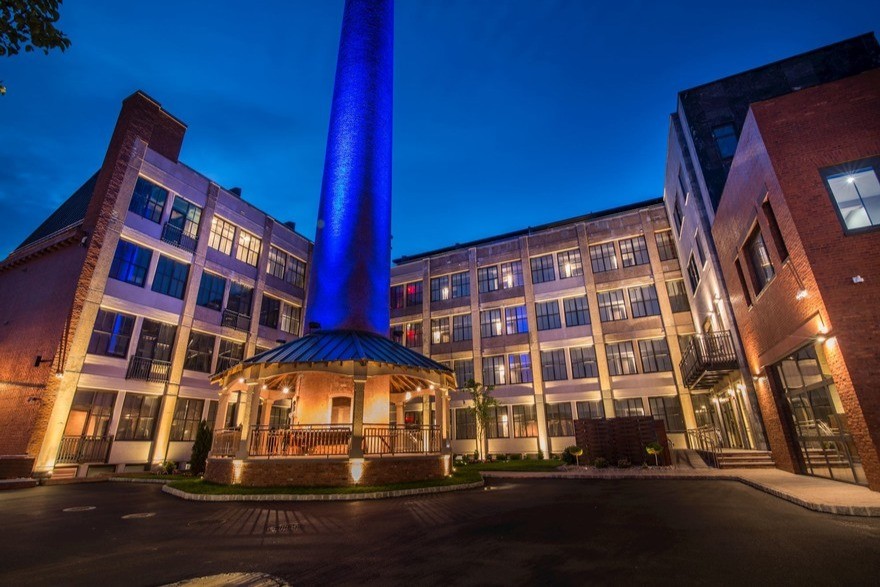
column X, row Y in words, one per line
column 201, row 447
column 166, row 468
column 540, row 455
column 623, row 463
column 600, row 463
column 567, row 457
column 516, row 456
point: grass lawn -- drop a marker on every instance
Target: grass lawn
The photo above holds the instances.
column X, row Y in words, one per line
column 523, row 465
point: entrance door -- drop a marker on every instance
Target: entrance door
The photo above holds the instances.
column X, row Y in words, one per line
column 340, row 410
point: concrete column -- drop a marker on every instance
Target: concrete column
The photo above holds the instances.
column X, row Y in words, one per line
column 159, row 448
column 222, row 409
column 357, row 417
column 248, row 417
column 399, row 408
column 426, row 421
column 441, row 405
column 534, row 348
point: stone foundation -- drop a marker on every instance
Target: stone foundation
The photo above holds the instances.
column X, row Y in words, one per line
column 309, row 472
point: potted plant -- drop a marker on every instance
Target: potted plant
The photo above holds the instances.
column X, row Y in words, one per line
column 576, row 452
column 655, row 448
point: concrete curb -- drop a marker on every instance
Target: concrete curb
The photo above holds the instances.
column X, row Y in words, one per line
column 24, row 483
column 321, row 496
column 135, row 480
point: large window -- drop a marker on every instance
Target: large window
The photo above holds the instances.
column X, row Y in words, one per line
column 553, row 365
column 520, row 368
column 230, row 353
column 414, row 293
column 583, row 362
column 775, row 232
column 270, row 311
column 655, row 355
column 397, row 298
column 112, row 334
column 211, row 291
column 138, row 418
column 603, row 258
column 756, row 251
column 291, row 317
column 148, row 200
column 547, row 315
column 590, row 410
column 569, row 263
column 677, row 217
column 222, row 235
column 199, row 352
column 725, row 140
column 494, row 372
column 678, row 298
column 440, row 288
column 542, row 269
column 612, row 305
column 295, row 274
column 621, row 358
column 498, row 424
column 559, row 421
column 240, row 298
column 412, row 334
column 665, row 245
column 668, row 409
column 170, row 278
column 464, row 371
column 856, row 193
column 577, row 311
column 634, row 251
column 693, row 274
column 698, row 245
column 130, row 263
column 511, row 274
column 185, row 217
column 490, row 323
column 629, row 407
column 487, row 278
column 516, row 320
column 248, row 248
column 277, row 262
column 187, row 415
column 525, row 421
column 460, row 284
column 156, row 340
column 465, row 424
column 643, row 301
column 440, row 330
column 461, row 327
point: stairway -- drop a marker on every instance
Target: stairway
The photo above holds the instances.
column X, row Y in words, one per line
column 745, row 459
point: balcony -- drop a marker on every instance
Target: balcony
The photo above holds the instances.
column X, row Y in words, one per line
column 232, row 319
column 147, row 369
column 83, row 449
column 707, row 359
column 174, row 235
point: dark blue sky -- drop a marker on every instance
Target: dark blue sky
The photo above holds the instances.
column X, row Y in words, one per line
column 508, row 113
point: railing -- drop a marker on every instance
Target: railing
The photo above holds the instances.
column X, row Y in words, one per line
column 174, row 235
column 300, row 440
column 706, row 439
column 147, row 369
column 225, row 442
column 707, row 356
column 233, row 319
column 84, row 449
column 380, row 439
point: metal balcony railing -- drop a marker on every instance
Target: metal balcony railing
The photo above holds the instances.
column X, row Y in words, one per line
column 84, row 449
column 147, row 369
column 174, row 235
column 707, row 358
column 232, row 319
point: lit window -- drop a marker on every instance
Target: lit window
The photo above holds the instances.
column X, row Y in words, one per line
column 148, row 200
column 621, row 358
column 569, row 263
column 559, row 420
column 762, row 268
column 187, row 415
column 130, row 263
column 440, row 289
column 291, row 316
column 414, row 293
column 612, row 305
column 494, row 372
column 856, row 194
column 277, row 262
column 248, row 248
column 491, row 324
column 222, row 235
column 511, row 274
column 678, row 298
column 112, row 334
column 520, row 367
column 634, row 251
column 516, row 320
column 665, row 245
column 440, row 331
column 525, row 421
column 603, row 257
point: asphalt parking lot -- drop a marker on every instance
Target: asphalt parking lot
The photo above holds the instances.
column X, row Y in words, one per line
column 549, row 532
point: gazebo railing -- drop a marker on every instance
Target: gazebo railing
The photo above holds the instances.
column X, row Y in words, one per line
column 300, row 440
column 225, row 443
column 382, row 439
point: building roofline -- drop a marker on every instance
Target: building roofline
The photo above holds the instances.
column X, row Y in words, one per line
column 529, row 230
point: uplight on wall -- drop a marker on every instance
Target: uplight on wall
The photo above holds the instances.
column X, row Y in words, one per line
column 801, row 294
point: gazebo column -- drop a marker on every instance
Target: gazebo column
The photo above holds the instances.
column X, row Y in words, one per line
column 426, row 422
column 249, row 419
column 356, row 450
column 222, row 409
column 442, row 423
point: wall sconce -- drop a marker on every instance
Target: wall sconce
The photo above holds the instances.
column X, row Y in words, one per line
column 801, row 294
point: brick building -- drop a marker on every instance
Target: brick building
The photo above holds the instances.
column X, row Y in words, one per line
column 797, row 236
column 115, row 310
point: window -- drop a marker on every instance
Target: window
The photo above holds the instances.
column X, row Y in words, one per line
column 440, row 288
column 414, row 293
column 185, row 217
column 525, row 421
column 742, row 282
column 212, row 413
column 655, row 355
column 621, row 358
column 211, row 291
column 248, row 248
column 590, row 410
column 465, row 424
column 138, row 418
column 270, row 310
column 397, row 299
column 856, row 193
column 412, row 334
column 222, row 235
column 511, row 274
column 634, row 251
column 461, row 284
column 577, row 311
column 461, row 328
column 440, row 331
column 277, row 262
column 487, row 278
column 693, row 274
column 678, row 298
column 668, row 409
column 199, row 352
column 665, row 245
column 520, row 368
column 295, row 274
column 756, row 252
column 583, row 362
column 291, row 317
column 490, row 323
column 493, row 371
column 240, row 298
column 603, row 258
column 559, row 422
column 187, row 415
column 130, row 263
column 156, row 341
column 681, row 183
column 553, row 365
column 112, row 334
column 547, row 315
column 497, row 426
column 725, row 140
column 698, row 244
column 464, row 371
column 677, row 217
column 612, row 305
column 629, row 407
column 230, row 353
column 569, row 263
column 148, row 200
column 643, row 301
column 542, row 269
column 516, row 320
column 170, row 278
column 775, row 233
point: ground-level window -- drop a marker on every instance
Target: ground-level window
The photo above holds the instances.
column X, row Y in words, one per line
column 464, row 371
column 668, row 409
column 498, row 424
column 591, row 410
column 559, row 420
column 465, row 424
column 138, row 418
column 525, row 421
column 187, row 415
column 629, row 407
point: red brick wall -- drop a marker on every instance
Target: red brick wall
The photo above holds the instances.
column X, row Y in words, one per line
column 783, row 145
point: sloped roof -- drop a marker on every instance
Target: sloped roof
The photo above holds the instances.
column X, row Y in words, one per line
column 73, row 210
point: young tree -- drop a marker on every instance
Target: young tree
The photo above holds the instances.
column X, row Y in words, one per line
column 29, row 25
column 482, row 402
column 201, row 448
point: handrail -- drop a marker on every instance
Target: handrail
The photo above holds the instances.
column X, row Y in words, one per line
column 707, row 439
column 174, row 235
column 381, row 439
column 300, row 440
column 84, row 449
column 225, row 442
column 148, row 369
column 707, row 352
column 235, row 320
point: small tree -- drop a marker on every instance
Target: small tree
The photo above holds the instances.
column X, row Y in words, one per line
column 482, row 402
column 576, row 452
column 29, row 25
column 655, row 448
column 201, row 448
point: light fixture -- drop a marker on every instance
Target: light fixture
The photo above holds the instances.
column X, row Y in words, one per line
column 801, row 294
column 59, row 374
column 821, row 338
column 265, row 386
column 432, row 386
column 407, row 396
column 241, row 379
column 285, row 390
column 419, row 388
column 850, row 179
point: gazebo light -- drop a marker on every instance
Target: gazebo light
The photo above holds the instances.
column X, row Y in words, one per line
column 241, row 379
column 285, row 390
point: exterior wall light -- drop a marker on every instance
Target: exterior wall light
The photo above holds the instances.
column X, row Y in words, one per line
column 801, row 294
column 285, row 390
column 356, row 467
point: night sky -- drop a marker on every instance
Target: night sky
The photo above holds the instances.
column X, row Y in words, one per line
column 507, row 113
